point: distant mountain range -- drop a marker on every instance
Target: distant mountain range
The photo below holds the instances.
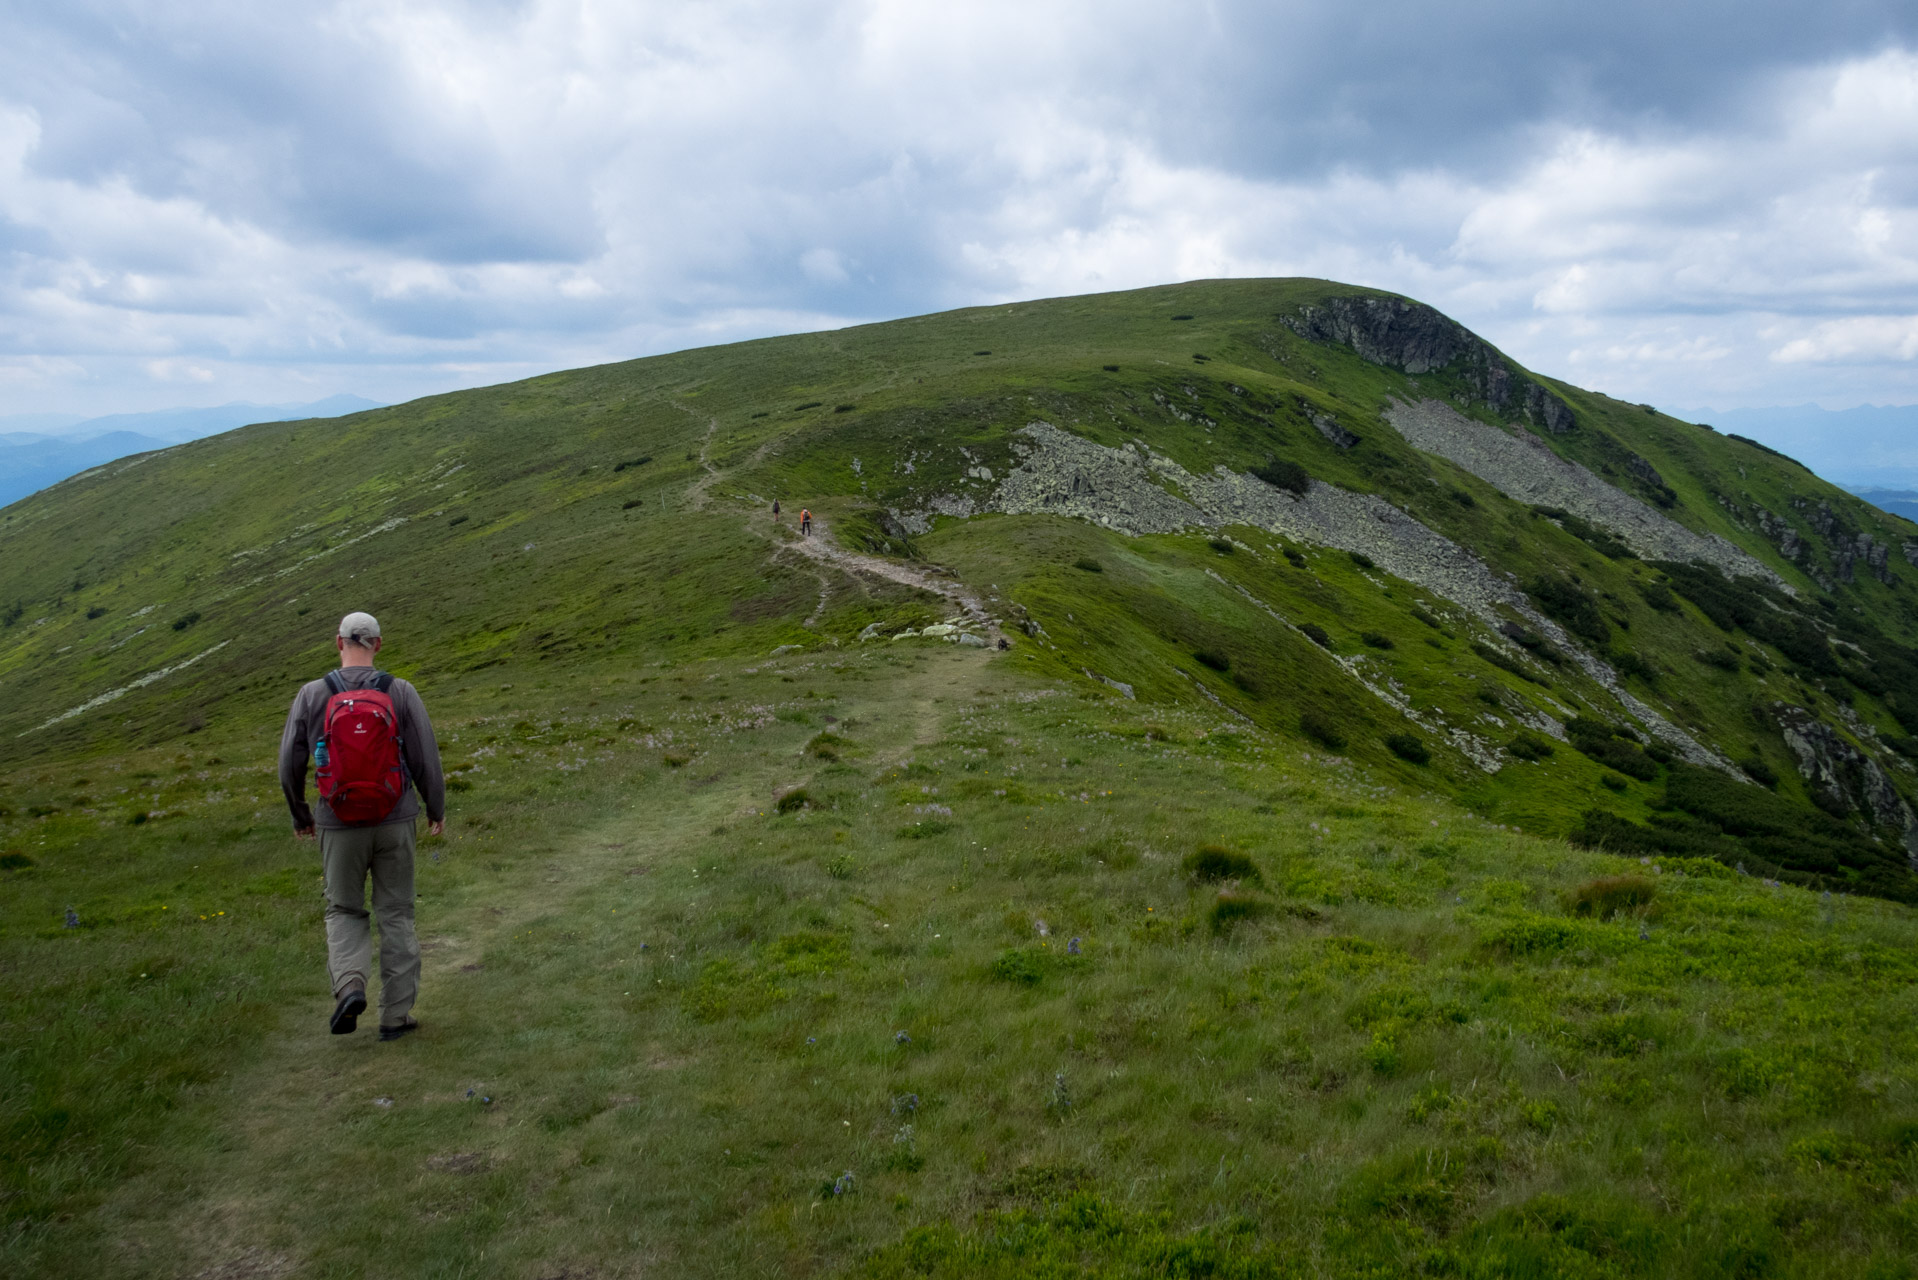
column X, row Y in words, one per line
column 44, row 449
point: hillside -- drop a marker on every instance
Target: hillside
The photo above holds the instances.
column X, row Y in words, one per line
column 1553, row 756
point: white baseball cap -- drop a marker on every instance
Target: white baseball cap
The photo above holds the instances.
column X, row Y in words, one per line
column 359, row 628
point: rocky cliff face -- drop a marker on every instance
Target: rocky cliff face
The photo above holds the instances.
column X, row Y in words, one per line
column 1406, row 335
column 1844, row 778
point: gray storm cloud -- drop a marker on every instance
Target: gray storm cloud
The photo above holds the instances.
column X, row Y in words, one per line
column 1681, row 202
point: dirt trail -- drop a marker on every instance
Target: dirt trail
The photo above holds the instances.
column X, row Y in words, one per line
column 821, row 549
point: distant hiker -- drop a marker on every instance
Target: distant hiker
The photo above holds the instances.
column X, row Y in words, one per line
column 775, row 511
column 805, row 522
column 375, row 760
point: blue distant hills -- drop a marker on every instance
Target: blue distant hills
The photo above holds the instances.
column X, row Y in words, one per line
column 47, row 448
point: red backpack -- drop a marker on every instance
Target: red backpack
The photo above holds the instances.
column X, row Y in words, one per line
column 359, row 767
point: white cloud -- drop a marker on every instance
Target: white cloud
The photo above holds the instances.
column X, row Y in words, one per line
column 397, row 199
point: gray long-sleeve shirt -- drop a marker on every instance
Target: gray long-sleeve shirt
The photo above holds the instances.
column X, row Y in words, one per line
column 305, row 724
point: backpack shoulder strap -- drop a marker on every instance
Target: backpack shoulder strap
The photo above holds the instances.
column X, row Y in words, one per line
column 383, row 682
column 335, row 682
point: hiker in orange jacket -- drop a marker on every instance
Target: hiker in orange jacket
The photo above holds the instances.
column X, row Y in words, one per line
column 805, row 521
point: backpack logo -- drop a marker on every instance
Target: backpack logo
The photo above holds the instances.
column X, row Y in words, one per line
column 360, row 771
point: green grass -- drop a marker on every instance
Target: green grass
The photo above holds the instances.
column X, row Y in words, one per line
column 897, row 958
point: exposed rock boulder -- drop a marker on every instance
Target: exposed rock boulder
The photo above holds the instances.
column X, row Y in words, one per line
column 1845, row 779
column 1412, row 337
column 1521, row 466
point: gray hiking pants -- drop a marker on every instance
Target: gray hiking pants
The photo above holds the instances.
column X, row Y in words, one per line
column 349, row 855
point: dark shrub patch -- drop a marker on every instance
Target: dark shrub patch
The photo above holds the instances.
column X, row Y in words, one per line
column 97, row 611
column 1591, row 535
column 793, row 801
column 1216, row 661
column 1660, row 752
column 635, row 462
column 1406, row 746
column 1316, row 634
column 1296, row 557
column 1425, row 615
column 1110, row 368
column 186, row 620
column 1530, row 746
column 457, row 520
column 844, row 408
column 1017, row 964
column 630, row 503
column 1088, row 564
column 1565, row 603
column 14, row 860
column 1629, row 663
column 801, row 408
column 1362, row 560
column 1216, row 862
column 1723, row 659
column 675, row 759
column 1181, row 317
column 1610, row 896
column 1231, row 908
column 1463, row 498
column 1614, row 782
column 1377, row 640
column 827, row 746
column 1604, row 744
column 1282, row 473
column 1221, row 546
column 1315, row 724
column 1758, row 771
column 1659, row 596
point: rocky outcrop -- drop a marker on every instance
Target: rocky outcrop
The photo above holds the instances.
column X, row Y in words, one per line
column 1845, row 779
column 1135, row 491
column 1523, row 467
column 1412, row 337
column 1847, row 546
column 1782, row 532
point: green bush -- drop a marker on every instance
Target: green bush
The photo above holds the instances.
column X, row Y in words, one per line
column 1569, row 606
column 1230, row 908
column 1216, row 862
column 1758, row 771
column 793, row 801
column 186, row 620
column 1377, row 640
column 1018, row 965
column 1321, row 728
column 1221, row 546
column 1282, row 473
column 1407, row 747
column 1216, row 661
column 1613, row 782
column 1530, row 746
column 1088, row 564
column 1316, row 634
column 1362, row 560
column 1723, row 659
column 1610, row 896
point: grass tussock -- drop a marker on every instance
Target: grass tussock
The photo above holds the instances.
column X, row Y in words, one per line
column 1611, row 896
column 1213, row 862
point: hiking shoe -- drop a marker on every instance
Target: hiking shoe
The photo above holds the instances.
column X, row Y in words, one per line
column 399, row 1029
column 347, row 1011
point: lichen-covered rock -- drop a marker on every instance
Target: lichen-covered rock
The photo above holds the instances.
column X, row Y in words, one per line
column 1412, row 337
column 1845, row 775
column 1523, row 467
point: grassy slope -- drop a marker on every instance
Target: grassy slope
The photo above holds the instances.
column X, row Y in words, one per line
column 1438, row 1056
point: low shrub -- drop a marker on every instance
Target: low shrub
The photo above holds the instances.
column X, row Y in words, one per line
column 1377, row 640
column 1408, row 747
column 793, row 801
column 675, row 759
column 1216, row 862
column 1362, row 560
column 1630, row 664
column 636, row 462
column 97, row 611
column 1504, row 663
column 1426, row 616
column 1221, row 546
column 1463, row 498
column 1610, row 896
column 1019, row 965
column 1530, row 746
column 1295, row 557
column 1316, row 634
column 14, row 860
column 1723, row 659
column 1210, row 658
column 1282, row 473
column 1321, row 728
column 1613, row 782
column 1758, row 771
column 186, row 620
column 827, row 746
column 1230, row 908
column 1088, row 564
column 1110, row 368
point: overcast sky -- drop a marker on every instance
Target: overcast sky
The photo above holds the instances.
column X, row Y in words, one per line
column 1686, row 202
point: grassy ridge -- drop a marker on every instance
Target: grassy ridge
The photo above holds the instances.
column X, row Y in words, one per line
column 1414, row 1037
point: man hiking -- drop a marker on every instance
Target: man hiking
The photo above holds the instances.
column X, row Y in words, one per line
column 805, row 522
column 775, row 511
column 376, row 760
